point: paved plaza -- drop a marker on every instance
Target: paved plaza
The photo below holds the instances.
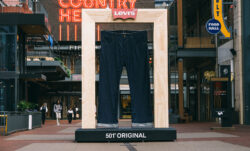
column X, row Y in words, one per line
column 190, row 137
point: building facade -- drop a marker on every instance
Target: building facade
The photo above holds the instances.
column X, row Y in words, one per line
column 194, row 57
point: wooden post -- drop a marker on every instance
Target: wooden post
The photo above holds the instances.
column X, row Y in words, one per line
column 180, row 23
column 161, row 72
column 199, row 95
column 88, row 72
column 72, row 65
column 180, row 85
column 188, row 89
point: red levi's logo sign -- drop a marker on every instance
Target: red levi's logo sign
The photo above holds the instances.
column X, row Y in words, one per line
column 124, row 13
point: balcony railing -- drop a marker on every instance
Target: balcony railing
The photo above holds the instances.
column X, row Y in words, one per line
column 22, row 6
column 39, row 9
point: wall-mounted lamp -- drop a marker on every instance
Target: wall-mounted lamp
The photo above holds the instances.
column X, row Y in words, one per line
column 233, row 52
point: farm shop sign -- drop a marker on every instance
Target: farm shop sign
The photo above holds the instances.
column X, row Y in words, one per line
column 218, row 15
column 70, row 10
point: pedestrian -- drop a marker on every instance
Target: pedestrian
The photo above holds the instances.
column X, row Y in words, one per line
column 75, row 112
column 44, row 110
column 70, row 114
column 57, row 110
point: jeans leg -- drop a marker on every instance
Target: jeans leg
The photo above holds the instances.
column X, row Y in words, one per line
column 110, row 70
column 58, row 116
column 138, row 75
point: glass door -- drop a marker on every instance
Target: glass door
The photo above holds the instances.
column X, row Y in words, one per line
column 125, row 106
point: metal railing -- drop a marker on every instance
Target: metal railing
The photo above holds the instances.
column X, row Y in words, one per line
column 36, row 119
column 16, row 6
column 15, row 121
column 3, row 123
column 199, row 41
column 39, row 9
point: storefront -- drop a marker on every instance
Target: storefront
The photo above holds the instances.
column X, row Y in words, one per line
column 13, row 37
column 245, row 63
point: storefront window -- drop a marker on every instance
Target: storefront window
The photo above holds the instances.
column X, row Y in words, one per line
column 1, row 96
column 77, row 65
column 7, row 48
column 7, row 95
column 125, row 112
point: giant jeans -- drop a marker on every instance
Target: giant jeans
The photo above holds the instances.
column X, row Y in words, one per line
column 127, row 49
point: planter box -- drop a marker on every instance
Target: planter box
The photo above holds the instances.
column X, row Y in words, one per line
column 17, row 121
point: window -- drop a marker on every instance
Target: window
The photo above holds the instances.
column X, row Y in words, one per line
column 7, row 48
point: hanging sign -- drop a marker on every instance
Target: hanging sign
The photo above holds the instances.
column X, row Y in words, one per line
column 218, row 15
column 124, row 13
column 213, row 26
column 70, row 10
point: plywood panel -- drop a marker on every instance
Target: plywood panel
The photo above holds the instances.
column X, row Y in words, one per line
column 156, row 16
column 161, row 72
column 88, row 72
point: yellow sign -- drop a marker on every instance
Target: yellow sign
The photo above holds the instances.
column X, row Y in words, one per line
column 217, row 12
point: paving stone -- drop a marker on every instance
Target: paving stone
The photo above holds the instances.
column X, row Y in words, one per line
column 149, row 146
column 195, row 136
column 69, row 130
column 203, row 135
column 74, row 147
column 190, row 146
column 43, row 137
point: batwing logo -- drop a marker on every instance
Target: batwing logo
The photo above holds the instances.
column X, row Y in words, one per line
column 124, row 13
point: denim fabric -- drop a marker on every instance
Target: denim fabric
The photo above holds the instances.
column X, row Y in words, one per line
column 127, row 49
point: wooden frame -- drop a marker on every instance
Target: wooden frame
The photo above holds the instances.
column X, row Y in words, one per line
column 156, row 16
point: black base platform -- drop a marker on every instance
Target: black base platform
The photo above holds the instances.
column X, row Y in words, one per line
column 125, row 135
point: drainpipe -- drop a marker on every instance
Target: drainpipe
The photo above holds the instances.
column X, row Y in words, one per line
column 232, row 81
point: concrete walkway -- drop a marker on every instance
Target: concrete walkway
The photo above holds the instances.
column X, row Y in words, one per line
column 190, row 137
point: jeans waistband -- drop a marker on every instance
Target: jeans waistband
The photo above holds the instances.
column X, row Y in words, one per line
column 121, row 33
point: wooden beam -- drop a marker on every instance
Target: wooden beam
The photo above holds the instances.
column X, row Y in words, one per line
column 72, row 66
column 180, row 86
column 199, row 94
column 219, row 79
column 88, row 72
column 180, row 23
column 161, row 72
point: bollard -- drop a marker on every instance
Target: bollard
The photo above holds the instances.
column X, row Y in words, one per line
column 30, row 122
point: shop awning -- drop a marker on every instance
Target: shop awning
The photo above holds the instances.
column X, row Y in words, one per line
column 33, row 77
column 35, row 24
column 53, row 70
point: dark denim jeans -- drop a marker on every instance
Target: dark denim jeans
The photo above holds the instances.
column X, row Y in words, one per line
column 127, row 49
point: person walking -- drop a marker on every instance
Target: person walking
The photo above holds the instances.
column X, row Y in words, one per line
column 75, row 112
column 44, row 110
column 57, row 110
column 70, row 114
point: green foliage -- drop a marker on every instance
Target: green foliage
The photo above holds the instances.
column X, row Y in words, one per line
column 68, row 72
column 24, row 105
column 65, row 67
column 59, row 59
